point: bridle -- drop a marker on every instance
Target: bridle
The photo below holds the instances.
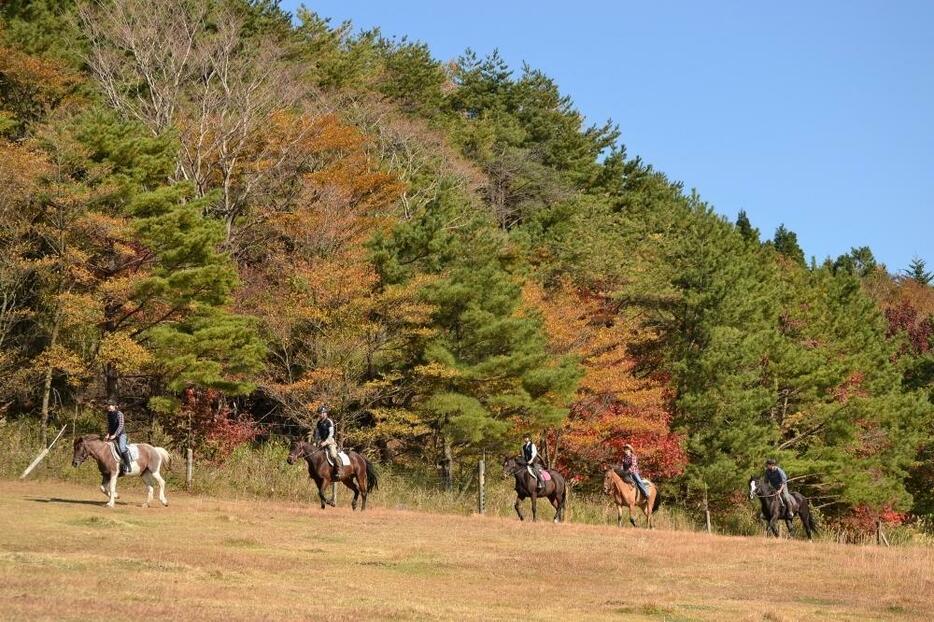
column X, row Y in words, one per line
column 302, row 451
column 768, row 496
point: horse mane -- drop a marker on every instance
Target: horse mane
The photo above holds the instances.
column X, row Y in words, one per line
column 616, row 479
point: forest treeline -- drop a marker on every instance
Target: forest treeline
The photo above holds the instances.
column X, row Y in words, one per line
column 223, row 216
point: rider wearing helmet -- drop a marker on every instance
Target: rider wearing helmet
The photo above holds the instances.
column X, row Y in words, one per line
column 777, row 478
column 530, row 455
column 116, row 432
column 324, row 436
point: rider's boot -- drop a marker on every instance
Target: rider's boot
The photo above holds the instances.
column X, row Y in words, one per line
column 125, row 466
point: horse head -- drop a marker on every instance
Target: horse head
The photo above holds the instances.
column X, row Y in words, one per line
column 511, row 466
column 608, row 481
column 297, row 450
column 81, row 452
column 758, row 487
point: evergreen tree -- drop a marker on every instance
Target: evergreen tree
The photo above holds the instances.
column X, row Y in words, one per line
column 859, row 261
column 484, row 373
column 135, row 259
column 917, row 271
column 786, row 243
column 745, row 228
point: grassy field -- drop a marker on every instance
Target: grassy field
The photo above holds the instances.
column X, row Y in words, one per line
column 62, row 556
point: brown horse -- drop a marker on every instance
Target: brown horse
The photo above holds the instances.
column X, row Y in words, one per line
column 319, row 469
column 555, row 488
column 147, row 466
column 626, row 494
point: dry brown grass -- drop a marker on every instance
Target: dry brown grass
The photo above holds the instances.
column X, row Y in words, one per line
column 62, row 556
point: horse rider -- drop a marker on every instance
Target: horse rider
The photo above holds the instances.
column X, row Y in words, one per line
column 324, row 436
column 531, row 457
column 777, row 478
column 630, row 466
column 116, row 432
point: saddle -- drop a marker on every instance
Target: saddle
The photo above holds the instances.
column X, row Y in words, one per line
column 131, row 448
column 345, row 459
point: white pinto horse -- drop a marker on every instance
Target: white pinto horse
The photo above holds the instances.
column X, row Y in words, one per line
column 147, row 465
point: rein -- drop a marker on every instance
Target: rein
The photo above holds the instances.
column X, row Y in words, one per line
column 774, row 494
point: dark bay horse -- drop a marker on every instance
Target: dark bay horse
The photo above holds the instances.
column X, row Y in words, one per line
column 773, row 509
column 319, row 469
column 147, row 466
column 626, row 494
column 555, row 489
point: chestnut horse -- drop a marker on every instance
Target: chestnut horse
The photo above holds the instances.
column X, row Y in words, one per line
column 555, row 489
column 626, row 494
column 147, row 465
column 319, row 469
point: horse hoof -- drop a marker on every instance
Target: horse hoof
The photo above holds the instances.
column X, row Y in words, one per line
column 145, row 505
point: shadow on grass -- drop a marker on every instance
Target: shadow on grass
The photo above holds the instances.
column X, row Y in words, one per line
column 69, row 501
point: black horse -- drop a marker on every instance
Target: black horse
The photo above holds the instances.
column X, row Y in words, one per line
column 773, row 509
column 527, row 486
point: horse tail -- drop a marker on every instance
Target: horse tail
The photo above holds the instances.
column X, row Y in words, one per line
column 372, row 480
column 658, row 499
column 165, row 455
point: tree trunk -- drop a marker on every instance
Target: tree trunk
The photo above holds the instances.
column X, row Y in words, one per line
column 110, row 381
column 447, row 463
column 47, row 385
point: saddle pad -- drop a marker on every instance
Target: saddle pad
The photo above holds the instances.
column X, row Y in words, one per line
column 546, row 476
column 345, row 459
column 134, row 451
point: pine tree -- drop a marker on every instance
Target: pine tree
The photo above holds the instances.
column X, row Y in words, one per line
column 917, row 271
column 786, row 243
column 483, row 373
column 136, row 276
column 859, row 261
column 745, row 228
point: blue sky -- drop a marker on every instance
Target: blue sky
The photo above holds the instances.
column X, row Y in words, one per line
column 818, row 115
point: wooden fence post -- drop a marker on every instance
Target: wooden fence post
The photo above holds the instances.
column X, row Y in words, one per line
column 481, row 485
column 706, row 509
column 189, row 468
column 880, row 535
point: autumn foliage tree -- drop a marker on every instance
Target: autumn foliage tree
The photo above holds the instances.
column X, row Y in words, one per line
column 618, row 401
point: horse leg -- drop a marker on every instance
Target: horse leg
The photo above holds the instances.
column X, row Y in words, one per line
column 619, row 515
column 518, row 510
column 104, row 481
column 790, row 526
column 150, row 480
column 773, row 526
column 534, row 508
column 556, row 504
column 158, row 477
column 363, row 485
column 113, row 489
column 632, row 511
column 321, row 485
column 806, row 521
column 356, row 492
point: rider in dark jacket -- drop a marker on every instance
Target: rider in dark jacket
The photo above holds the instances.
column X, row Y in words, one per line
column 116, row 432
column 324, row 435
column 531, row 457
column 778, row 480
